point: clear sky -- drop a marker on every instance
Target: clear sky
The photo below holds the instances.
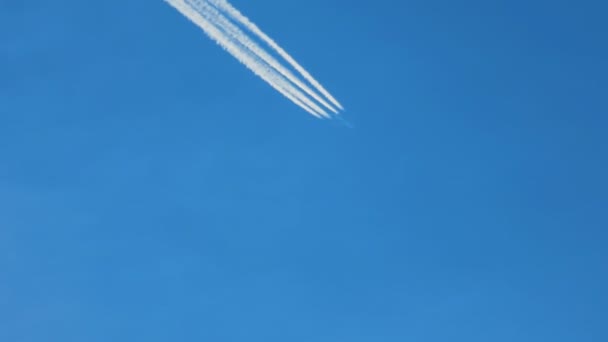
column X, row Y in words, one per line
column 153, row 189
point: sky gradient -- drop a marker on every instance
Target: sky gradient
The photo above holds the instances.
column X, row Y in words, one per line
column 153, row 189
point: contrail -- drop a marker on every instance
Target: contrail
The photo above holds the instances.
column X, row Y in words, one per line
column 250, row 48
column 203, row 7
column 238, row 16
column 255, row 65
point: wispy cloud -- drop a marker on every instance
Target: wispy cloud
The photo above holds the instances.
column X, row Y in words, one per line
column 220, row 20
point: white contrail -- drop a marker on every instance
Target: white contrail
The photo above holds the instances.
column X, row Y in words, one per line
column 258, row 68
column 249, row 61
column 203, row 7
column 238, row 16
column 250, row 48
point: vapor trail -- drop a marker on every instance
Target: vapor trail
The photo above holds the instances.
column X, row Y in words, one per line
column 257, row 67
column 203, row 7
column 238, row 16
column 250, row 48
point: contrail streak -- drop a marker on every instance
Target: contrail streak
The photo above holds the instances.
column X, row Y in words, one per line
column 203, row 6
column 250, row 48
column 249, row 61
column 238, row 16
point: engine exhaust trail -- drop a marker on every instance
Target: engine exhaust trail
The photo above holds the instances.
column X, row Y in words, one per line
column 251, row 63
column 237, row 15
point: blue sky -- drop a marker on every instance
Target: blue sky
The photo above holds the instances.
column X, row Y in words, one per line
column 153, row 189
